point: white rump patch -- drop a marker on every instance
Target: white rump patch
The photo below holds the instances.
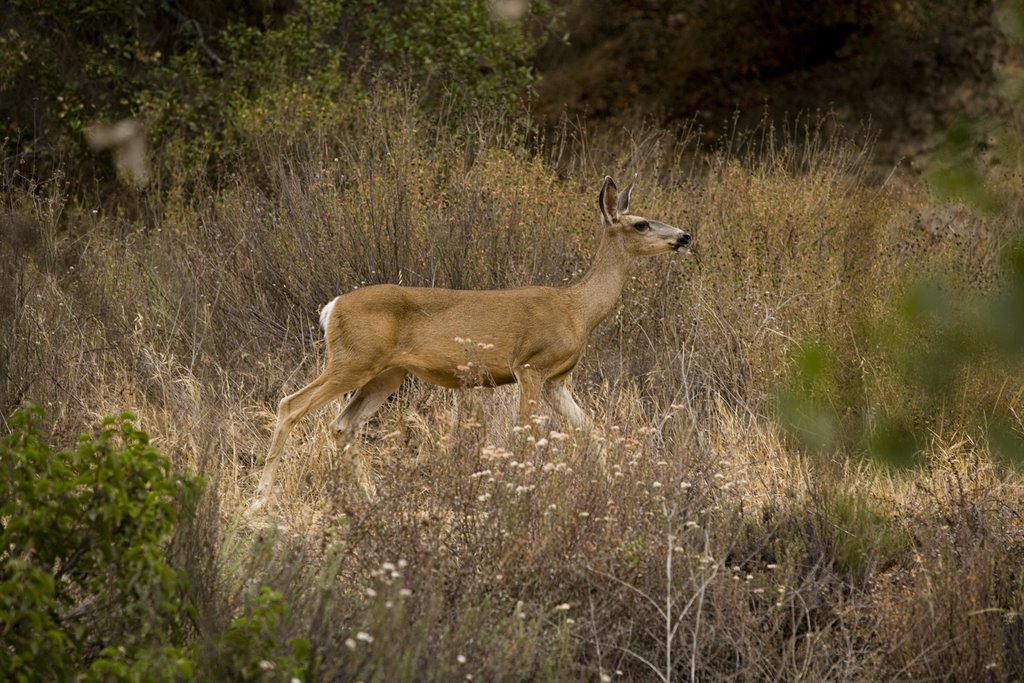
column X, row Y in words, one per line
column 325, row 314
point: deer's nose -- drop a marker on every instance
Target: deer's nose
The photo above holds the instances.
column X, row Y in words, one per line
column 683, row 239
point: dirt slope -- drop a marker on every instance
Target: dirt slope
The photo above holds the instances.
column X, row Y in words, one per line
column 906, row 67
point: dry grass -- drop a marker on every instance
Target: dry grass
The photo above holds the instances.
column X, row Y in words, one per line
column 712, row 549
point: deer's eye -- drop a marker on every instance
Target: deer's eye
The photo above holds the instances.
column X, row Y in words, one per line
column 642, row 226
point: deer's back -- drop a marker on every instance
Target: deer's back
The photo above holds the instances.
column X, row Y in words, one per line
column 427, row 327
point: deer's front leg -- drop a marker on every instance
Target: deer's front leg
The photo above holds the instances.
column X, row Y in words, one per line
column 558, row 394
column 560, row 398
column 530, row 382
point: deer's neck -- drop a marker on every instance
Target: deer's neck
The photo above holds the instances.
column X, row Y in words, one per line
column 597, row 292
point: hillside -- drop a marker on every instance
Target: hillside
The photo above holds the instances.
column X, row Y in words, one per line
column 904, row 68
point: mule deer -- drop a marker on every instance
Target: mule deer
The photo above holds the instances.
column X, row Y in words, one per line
column 532, row 336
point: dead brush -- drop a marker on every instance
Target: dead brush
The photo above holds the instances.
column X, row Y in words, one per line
column 519, row 559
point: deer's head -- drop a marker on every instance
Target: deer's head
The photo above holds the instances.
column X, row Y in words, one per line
column 639, row 236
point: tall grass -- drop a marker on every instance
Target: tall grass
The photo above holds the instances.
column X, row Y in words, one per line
column 711, row 548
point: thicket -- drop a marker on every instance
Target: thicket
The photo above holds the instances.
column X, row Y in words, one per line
column 712, row 548
column 208, row 79
column 89, row 587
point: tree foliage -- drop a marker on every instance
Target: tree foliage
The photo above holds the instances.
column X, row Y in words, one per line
column 196, row 73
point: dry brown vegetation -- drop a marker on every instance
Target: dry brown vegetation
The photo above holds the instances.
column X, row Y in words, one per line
column 715, row 547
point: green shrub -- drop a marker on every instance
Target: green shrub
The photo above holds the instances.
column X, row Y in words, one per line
column 250, row 650
column 197, row 75
column 460, row 45
column 84, row 577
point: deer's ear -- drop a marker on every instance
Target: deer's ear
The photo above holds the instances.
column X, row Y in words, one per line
column 608, row 201
column 623, row 204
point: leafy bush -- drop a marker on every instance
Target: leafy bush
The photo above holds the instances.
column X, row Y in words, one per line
column 249, row 649
column 84, row 576
column 198, row 75
column 460, row 44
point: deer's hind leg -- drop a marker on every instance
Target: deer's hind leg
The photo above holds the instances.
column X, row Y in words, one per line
column 333, row 382
column 368, row 399
column 363, row 404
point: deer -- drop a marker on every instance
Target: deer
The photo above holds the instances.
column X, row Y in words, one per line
column 529, row 336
